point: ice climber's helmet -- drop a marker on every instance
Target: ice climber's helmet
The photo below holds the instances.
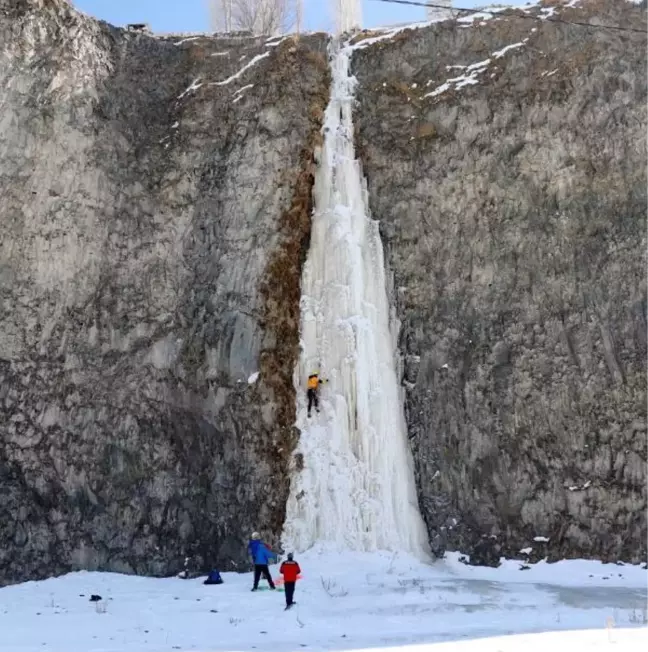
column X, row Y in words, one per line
column 255, row 536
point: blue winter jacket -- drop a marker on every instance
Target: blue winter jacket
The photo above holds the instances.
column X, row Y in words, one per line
column 253, row 544
column 260, row 552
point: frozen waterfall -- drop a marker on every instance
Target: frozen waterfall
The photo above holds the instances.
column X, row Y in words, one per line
column 356, row 489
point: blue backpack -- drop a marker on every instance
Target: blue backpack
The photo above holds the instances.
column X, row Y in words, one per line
column 214, row 577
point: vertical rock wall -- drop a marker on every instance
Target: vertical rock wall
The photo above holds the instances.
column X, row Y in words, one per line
column 506, row 163
column 154, row 199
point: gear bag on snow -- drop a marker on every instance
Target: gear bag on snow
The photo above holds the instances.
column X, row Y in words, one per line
column 214, row 577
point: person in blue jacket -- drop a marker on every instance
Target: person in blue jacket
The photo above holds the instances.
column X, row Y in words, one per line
column 261, row 556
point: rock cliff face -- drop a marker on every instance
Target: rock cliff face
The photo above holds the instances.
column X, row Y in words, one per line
column 155, row 211
column 155, row 202
column 506, row 163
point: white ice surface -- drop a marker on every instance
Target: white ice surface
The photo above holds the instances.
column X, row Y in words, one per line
column 345, row 602
column 356, row 489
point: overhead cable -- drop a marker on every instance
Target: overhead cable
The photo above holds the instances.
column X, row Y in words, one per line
column 548, row 19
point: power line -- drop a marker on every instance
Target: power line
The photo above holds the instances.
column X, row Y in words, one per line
column 528, row 16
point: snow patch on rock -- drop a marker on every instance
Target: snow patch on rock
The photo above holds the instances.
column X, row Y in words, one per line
column 247, row 66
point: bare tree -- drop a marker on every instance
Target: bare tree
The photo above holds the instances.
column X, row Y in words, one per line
column 348, row 15
column 442, row 11
column 220, row 15
column 256, row 16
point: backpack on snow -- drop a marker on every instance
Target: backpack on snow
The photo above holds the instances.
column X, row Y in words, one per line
column 214, row 577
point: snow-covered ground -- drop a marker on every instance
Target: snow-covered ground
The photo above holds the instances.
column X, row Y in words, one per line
column 351, row 601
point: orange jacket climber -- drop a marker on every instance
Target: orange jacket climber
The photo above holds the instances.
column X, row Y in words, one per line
column 312, row 388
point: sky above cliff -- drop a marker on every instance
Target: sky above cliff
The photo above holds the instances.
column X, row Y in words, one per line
column 191, row 15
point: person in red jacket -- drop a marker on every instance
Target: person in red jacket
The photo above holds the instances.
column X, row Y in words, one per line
column 290, row 570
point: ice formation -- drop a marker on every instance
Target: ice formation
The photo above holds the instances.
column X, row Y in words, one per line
column 356, row 489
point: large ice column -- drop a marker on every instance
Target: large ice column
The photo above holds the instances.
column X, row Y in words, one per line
column 348, row 15
column 356, row 489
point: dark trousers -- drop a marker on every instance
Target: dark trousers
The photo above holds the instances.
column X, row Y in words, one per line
column 312, row 399
column 262, row 569
column 290, row 592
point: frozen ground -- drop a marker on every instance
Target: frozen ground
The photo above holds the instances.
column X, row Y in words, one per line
column 352, row 601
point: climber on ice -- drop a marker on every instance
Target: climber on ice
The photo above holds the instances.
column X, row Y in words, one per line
column 312, row 391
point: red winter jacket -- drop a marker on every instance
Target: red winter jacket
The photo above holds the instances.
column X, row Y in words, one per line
column 290, row 570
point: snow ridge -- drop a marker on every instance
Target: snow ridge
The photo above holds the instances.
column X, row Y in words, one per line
column 356, row 490
column 472, row 72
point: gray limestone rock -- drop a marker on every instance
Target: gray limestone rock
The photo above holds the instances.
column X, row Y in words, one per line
column 154, row 202
column 506, row 164
column 155, row 197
